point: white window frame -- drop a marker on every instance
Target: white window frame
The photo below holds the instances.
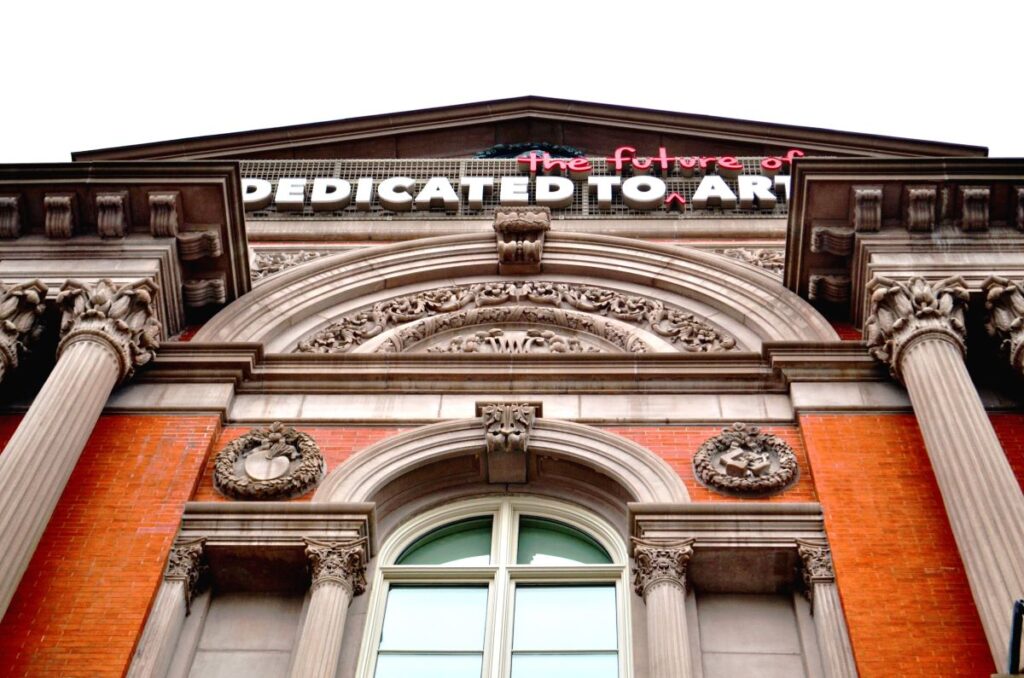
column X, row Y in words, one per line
column 501, row 578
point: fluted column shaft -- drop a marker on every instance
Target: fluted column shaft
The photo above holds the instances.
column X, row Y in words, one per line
column 660, row 577
column 38, row 461
column 338, row 575
column 981, row 494
column 830, row 629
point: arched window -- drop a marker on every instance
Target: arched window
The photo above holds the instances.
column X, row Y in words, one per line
column 510, row 587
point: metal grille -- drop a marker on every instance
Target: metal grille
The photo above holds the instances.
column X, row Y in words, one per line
column 421, row 170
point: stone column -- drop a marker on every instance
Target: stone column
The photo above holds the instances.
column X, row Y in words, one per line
column 829, row 623
column 173, row 603
column 918, row 330
column 339, row 573
column 1004, row 301
column 106, row 332
column 659, row 576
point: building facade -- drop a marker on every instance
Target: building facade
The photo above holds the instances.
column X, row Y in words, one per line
column 522, row 388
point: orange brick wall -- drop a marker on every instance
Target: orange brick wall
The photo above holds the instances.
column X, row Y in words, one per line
column 1010, row 430
column 84, row 599
column 336, row 443
column 902, row 583
column 678, row 444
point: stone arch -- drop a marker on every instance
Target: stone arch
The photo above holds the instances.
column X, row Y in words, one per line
column 748, row 304
column 610, row 469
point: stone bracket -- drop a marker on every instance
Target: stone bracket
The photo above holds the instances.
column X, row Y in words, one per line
column 520, row 238
column 507, row 428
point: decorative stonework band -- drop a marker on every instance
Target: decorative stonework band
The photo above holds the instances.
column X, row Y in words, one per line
column 743, row 460
column 275, row 462
column 341, row 562
column 660, row 562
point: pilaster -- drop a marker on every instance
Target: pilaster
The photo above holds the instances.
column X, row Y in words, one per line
column 659, row 576
column 829, row 623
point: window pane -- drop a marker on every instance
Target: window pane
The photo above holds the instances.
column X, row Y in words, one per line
column 564, row 618
column 467, row 542
column 428, row 666
column 565, row 665
column 440, row 618
column 546, row 542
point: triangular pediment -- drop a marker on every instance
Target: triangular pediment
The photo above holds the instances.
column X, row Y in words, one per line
column 467, row 129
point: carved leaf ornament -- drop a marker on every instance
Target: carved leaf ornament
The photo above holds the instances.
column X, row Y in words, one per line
column 743, row 460
column 276, row 462
column 683, row 329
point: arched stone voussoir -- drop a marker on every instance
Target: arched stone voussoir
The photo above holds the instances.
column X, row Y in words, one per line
column 749, row 304
column 642, row 475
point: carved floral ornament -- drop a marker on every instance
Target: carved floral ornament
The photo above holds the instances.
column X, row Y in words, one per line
column 507, row 426
column 1004, row 301
column 659, row 562
column 902, row 313
column 20, row 309
column 185, row 564
column 743, row 460
column 574, row 306
column 341, row 562
column 276, row 462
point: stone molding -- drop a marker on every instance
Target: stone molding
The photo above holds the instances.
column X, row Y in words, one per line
column 339, row 562
column 519, row 232
column 1004, row 301
column 265, row 264
column 642, row 475
column 657, row 562
column 815, row 564
column 742, row 460
column 770, row 259
column 684, row 330
column 904, row 313
column 21, row 307
column 122, row 317
column 515, row 342
column 274, row 462
column 185, row 564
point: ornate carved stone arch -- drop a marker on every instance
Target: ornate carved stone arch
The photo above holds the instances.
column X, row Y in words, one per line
column 443, row 461
column 740, row 302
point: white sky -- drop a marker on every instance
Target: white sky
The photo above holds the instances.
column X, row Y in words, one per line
column 84, row 75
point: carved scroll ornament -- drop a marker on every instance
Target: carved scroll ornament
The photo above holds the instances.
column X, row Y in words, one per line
column 123, row 317
column 685, row 330
column 902, row 313
column 276, row 462
column 20, row 309
column 1004, row 301
column 659, row 563
column 743, row 460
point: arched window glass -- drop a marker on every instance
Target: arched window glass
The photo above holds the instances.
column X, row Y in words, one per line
column 500, row 588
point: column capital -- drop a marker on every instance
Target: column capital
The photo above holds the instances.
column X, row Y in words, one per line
column 904, row 313
column 1004, row 301
column 184, row 564
column 20, row 309
column 660, row 561
column 122, row 317
column 815, row 564
column 341, row 562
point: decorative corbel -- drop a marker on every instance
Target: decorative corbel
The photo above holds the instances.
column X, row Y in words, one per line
column 60, row 218
column 975, row 208
column 837, row 240
column 520, row 238
column 199, row 245
column 10, row 216
column 202, row 291
column 866, row 208
column 164, row 213
column 919, row 208
column 507, row 428
column 112, row 214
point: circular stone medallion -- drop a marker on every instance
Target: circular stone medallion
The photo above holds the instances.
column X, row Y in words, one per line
column 743, row 461
column 276, row 462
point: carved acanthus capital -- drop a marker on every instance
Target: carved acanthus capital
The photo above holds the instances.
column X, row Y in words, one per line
column 342, row 562
column 815, row 564
column 1004, row 301
column 20, row 309
column 902, row 313
column 520, row 238
column 657, row 562
column 122, row 317
column 185, row 564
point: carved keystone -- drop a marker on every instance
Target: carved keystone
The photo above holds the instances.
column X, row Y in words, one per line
column 185, row 564
column 520, row 238
column 660, row 562
column 342, row 562
column 20, row 309
column 507, row 428
column 902, row 313
column 1004, row 301
column 122, row 317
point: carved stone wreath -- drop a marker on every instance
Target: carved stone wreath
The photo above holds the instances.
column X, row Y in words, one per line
column 276, row 462
column 742, row 460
